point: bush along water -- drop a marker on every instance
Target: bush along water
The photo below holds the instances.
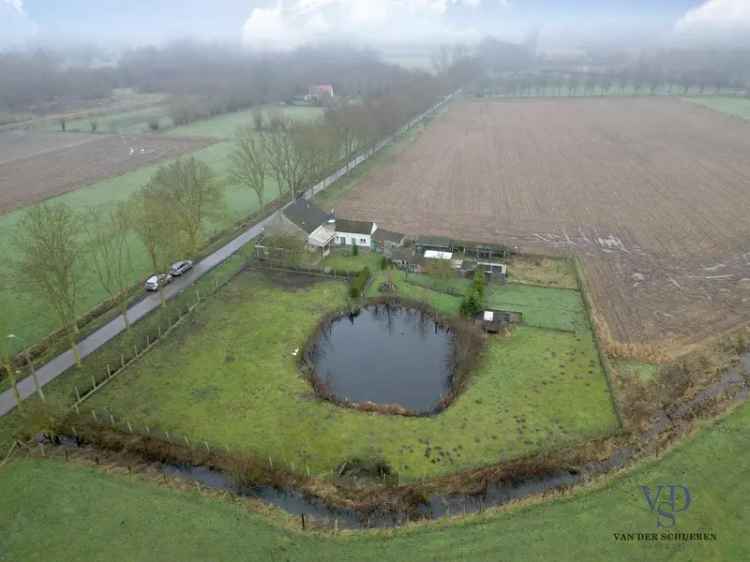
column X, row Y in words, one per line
column 359, row 283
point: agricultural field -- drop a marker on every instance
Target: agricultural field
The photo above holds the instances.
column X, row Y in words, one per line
column 131, row 515
column 46, row 165
column 650, row 193
column 231, row 376
column 739, row 107
column 225, row 126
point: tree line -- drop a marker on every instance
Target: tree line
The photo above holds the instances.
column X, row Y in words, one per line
column 202, row 80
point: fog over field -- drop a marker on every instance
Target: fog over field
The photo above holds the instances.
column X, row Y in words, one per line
column 271, row 24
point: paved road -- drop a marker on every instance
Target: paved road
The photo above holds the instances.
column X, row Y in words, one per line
column 97, row 339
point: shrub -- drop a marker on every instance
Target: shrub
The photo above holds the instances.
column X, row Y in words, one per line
column 385, row 263
column 479, row 284
column 355, row 250
column 153, row 125
column 359, row 282
column 471, row 305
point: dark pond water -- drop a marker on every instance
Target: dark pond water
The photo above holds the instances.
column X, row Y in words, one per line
column 386, row 355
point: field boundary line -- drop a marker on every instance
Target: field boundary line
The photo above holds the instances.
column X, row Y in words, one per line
column 603, row 358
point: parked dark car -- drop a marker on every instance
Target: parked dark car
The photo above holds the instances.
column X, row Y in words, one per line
column 154, row 282
column 180, row 267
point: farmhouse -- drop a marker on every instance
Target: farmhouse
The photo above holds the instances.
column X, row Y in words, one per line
column 320, row 92
column 355, row 233
column 305, row 220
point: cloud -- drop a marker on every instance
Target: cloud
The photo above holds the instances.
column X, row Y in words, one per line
column 289, row 25
column 716, row 19
column 17, row 5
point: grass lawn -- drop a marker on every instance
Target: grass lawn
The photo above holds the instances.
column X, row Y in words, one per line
column 739, row 107
column 52, row 510
column 230, row 377
column 225, row 126
column 342, row 259
column 542, row 307
column 532, row 270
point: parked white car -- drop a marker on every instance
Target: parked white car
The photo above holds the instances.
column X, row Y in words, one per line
column 154, row 282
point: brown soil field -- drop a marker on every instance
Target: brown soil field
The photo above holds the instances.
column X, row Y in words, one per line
column 35, row 166
column 652, row 194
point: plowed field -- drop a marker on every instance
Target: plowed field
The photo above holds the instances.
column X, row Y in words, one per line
column 653, row 194
column 35, row 166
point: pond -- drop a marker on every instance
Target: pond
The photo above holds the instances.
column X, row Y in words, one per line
column 388, row 355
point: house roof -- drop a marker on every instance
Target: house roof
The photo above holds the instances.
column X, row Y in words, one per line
column 305, row 215
column 383, row 235
column 321, row 236
column 439, row 241
column 354, row 227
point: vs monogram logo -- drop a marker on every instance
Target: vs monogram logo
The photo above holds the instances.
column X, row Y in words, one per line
column 667, row 502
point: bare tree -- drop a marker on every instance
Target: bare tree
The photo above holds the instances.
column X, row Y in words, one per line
column 108, row 237
column 192, row 191
column 345, row 122
column 153, row 221
column 248, row 163
column 50, row 250
column 291, row 161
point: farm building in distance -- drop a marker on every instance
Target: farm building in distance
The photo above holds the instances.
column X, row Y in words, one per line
column 320, row 92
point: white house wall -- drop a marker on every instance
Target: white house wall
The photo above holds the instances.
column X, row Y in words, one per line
column 350, row 239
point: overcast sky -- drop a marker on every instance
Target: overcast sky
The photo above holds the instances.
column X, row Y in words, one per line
column 272, row 24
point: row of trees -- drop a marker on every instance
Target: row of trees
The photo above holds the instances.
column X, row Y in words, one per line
column 56, row 245
column 624, row 82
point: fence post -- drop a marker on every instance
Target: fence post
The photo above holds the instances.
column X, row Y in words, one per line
column 93, row 415
column 187, row 441
column 122, row 360
column 93, row 381
column 109, row 371
column 302, row 516
column 78, row 394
